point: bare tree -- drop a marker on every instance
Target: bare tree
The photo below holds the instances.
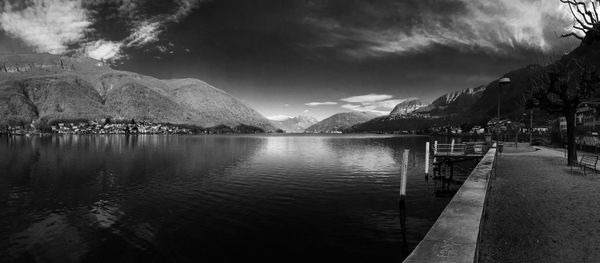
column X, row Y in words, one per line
column 586, row 18
column 560, row 89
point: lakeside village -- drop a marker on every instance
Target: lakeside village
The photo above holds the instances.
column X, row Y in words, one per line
column 536, row 127
column 104, row 126
column 538, row 131
column 119, row 126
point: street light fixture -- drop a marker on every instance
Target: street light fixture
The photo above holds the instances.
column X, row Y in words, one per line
column 503, row 82
column 530, row 127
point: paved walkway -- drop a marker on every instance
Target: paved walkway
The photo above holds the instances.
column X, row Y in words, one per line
column 540, row 211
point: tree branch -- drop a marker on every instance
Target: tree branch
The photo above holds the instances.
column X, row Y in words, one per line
column 586, row 19
column 572, row 34
column 595, row 11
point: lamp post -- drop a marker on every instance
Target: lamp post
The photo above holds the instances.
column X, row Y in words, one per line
column 503, row 82
column 530, row 127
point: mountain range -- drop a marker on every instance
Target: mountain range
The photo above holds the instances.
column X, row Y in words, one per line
column 470, row 106
column 51, row 88
column 454, row 102
column 295, row 124
column 340, row 122
column 478, row 105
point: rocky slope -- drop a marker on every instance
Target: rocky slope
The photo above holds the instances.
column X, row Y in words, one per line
column 341, row 122
column 406, row 107
column 51, row 88
column 454, row 102
column 295, row 125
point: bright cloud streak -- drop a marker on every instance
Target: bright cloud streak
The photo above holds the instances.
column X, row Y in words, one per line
column 147, row 32
column 362, row 108
column 279, row 117
column 46, row 25
column 55, row 26
column 380, row 104
column 367, row 98
column 494, row 26
column 313, row 104
column 103, row 50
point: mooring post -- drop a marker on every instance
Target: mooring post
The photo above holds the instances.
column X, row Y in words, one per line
column 426, row 160
column 434, row 158
column 452, row 146
column 403, row 174
column 401, row 202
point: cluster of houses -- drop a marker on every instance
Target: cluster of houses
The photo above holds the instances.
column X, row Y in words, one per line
column 413, row 115
column 505, row 125
column 94, row 127
column 18, row 130
column 508, row 125
column 447, row 129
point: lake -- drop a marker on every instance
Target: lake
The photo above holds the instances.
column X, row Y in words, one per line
column 160, row 198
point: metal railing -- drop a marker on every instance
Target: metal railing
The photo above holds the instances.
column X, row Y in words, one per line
column 469, row 148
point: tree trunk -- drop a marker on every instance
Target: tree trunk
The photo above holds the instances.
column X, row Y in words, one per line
column 571, row 148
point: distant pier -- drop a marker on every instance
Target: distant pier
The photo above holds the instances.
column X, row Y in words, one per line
column 447, row 156
column 468, row 149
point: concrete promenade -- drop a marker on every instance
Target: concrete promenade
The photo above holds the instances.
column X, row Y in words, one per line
column 539, row 210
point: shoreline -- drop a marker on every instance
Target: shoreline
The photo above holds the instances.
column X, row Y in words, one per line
column 218, row 134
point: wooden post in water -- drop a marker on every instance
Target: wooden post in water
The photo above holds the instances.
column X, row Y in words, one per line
column 403, row 174
column 426, row 159
column 434, row 158
column 401, row 202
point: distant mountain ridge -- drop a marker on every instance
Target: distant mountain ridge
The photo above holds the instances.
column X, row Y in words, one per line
column 469, row 106
column 50, row 88
column 340, row 122
column 296, row 124
column 453, row 102
column 454, row 96
column 406, row 107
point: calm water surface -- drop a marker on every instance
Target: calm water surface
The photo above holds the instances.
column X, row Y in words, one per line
column 210, row 198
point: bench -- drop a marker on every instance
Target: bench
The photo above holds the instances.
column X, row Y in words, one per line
column 588, row 161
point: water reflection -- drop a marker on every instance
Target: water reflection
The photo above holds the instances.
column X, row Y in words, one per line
column 215, row 198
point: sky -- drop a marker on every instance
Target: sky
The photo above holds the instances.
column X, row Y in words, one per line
column 300, row 57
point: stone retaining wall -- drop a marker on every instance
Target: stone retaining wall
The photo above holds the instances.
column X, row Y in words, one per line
column 455, row 235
